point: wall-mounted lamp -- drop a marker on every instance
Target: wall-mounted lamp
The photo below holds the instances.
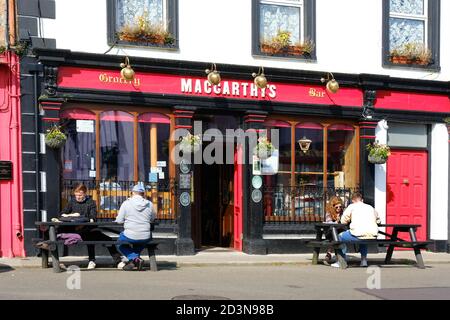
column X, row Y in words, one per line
column 213, row 75
column 260, row 79
column 304, row 144
column 127, row 73
column 332, row 84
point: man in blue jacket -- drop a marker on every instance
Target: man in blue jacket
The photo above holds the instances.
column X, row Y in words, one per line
column 136, row 213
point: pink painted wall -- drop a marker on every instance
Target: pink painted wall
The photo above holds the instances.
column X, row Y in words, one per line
column 11, row 214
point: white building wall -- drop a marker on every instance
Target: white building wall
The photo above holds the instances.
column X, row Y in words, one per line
column 439, row 183
column 380, row 173
column 349, row 36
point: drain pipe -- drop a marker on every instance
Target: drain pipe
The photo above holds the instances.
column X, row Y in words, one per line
column 37, row 142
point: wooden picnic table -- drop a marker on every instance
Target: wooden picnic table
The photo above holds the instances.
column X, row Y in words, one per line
column 49, row 231
column 392, row 240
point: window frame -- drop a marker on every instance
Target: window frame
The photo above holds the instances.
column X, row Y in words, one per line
column 432, row 34
column 308, row 9
column 325, row 125
column 172, row 27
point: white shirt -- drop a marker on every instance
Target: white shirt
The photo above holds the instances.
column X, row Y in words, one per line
column 363, row 219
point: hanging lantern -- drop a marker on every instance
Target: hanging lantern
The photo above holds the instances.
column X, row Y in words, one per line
column 213, row 75
column 304, row 144
column 127, row 73
column 260, row 79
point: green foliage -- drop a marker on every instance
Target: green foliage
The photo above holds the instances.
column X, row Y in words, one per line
column 54, row 137
column 264, row 147
column 144, row 31
column 378, row 150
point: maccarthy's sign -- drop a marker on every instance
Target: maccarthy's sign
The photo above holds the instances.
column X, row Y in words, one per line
column 172, row 85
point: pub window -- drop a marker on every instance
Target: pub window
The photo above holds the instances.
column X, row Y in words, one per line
column 79, row 151
column 306, row 178
column 284, row 28
column 411, row 33
column 153, row 147
column 143, row 22
column 110, row 151
column 116, row 146
column 341, row 156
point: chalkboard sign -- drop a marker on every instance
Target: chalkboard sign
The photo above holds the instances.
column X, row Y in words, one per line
column 5, row 170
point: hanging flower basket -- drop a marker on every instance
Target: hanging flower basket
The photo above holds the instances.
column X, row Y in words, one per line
column 190, row 143
column 54, row 138
column 377, row 159
column 264, row 149
column 378, row 153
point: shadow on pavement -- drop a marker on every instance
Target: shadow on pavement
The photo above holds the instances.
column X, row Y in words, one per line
column 5, row 268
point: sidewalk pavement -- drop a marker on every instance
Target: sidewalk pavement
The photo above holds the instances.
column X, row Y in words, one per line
column 226, row 257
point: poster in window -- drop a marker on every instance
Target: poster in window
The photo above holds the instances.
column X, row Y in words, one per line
column 269, row 166
column 256, row 165
column 67, row 165
column 85, row 126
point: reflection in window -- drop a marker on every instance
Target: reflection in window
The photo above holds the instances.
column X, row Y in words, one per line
column 283, row 129
column 281, row 17
column 79, row 151
column 309, row 164
column 407, row 23
column 341, row 156
column 153, row 147
column 116, row 146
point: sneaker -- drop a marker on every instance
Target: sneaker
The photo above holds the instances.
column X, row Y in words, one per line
column 121, row 265
column 129, row 266
column 363, row 263
column 139, row 263
column 336, row 265
column 91, row 265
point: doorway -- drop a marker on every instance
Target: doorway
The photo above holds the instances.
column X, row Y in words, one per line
column 407, row 189
column 213, row 211
column 216, row 205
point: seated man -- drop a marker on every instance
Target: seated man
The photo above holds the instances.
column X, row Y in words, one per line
column 136, row 213
column 363, row 220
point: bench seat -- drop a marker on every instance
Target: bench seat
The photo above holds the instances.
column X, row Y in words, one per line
column 52, row 246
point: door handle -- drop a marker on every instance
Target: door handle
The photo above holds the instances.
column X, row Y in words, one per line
column 405, row 181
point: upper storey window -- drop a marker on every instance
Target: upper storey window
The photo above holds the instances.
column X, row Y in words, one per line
column 284, row 28
column 143, row 22
column 412, row 28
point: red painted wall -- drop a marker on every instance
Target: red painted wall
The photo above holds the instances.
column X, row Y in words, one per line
column 395, row 100
column 11, row 213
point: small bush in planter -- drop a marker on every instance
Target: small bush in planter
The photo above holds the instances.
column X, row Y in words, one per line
column 55, row 138
column 378, row 153
column 264, row 148
column 190, row 143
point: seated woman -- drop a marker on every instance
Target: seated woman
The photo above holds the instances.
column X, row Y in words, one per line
column 87, row 209
column 333, row 214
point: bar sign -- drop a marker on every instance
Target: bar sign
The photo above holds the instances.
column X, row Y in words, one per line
column 5, row 170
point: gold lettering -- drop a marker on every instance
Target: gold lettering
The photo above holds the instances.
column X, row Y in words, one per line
column 315, row 93
column 103, row 77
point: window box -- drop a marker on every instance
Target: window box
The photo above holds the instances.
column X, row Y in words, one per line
column 411, row 34
column 150, row 23
column 272, row 36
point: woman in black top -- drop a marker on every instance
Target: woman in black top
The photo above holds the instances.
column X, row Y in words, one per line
column 87, row 210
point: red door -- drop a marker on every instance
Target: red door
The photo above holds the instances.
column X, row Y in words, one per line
column 407, row 176
column 237, row 242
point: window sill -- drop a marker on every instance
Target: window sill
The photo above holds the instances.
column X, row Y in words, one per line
column 305, row 58
column 411, row 66
column 136, row 44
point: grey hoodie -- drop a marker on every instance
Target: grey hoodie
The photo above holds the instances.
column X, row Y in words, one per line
column 136, row 213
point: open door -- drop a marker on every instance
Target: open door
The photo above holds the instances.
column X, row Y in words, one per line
column 238, row 198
